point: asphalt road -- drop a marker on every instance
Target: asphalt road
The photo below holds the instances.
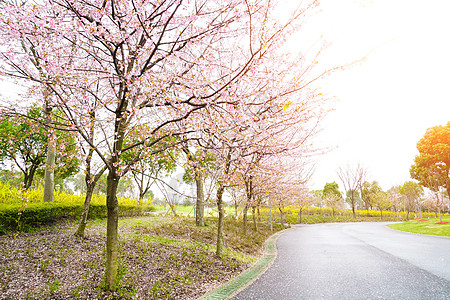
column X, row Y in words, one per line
column 355, row 261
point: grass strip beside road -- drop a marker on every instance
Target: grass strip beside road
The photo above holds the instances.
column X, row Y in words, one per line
column 425, row 226
column 237, row 284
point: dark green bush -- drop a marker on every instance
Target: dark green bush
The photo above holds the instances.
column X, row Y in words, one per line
column 38, row 214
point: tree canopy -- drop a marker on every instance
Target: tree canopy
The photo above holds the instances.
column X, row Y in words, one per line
column 431, row 167
column 24, row 142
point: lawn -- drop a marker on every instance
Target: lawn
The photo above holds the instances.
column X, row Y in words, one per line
column 425, row 226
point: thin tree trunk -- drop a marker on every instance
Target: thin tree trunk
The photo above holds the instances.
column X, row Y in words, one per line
column 84, row 214
column 244, row 218
column 219, row 245
column 300, row 216
column 255, row 225
column 220, row 190
column 249, row 192
column 90, row 186
column 200, row 203
column 353, row 210
column 112, row 250
column 172, row 209
column 90, row 181
column 281, row 216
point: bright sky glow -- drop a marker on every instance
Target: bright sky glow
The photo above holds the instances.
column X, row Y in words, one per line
column 386, row 103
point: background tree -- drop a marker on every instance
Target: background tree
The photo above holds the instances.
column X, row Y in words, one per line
column 395, row 198
column 156, row 161
column 381, row 201
column 366, row 194
column 412, row 192
column 11, row 177
column 24, row 142
column 304, row 200
column 332, row 195
column 352, row 178
column 431, row 167
column 199, row 164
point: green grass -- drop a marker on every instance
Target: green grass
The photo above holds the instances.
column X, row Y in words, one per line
column 425, row 227
column 189, row 210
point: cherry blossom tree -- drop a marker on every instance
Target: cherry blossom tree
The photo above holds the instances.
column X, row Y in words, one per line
column 395, row 198
column 93, row 170
column 159, row 63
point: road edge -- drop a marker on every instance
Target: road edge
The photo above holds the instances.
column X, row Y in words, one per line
column 237, row 284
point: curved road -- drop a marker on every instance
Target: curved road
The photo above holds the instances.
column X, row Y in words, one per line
column 355, row 261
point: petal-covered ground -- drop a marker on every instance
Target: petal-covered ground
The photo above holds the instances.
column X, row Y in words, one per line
column 158, row 260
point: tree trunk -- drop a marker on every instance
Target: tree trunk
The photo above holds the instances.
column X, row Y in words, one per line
column 259, row 214
column 249, row 192
column 141, row 199
column 300, row 216
column 172, row 209
column 200, row 203
column 255, row 225
column 49, row 176
column 281, row 216
column 219, row 246
column 84, row 214
column 112, row 250
column 244, row 219
column 447, row 187
column 28, row 177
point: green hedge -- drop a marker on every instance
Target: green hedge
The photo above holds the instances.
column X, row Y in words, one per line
column 38, row 214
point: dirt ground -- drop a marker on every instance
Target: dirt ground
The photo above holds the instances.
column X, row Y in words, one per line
column 54, row 264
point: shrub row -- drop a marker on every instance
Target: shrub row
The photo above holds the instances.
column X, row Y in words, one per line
column 13, row 217
column 311, row 215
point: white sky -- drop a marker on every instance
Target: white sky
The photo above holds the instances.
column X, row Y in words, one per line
column 386, row 103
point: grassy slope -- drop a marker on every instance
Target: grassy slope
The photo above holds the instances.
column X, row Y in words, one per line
column 425, row 227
